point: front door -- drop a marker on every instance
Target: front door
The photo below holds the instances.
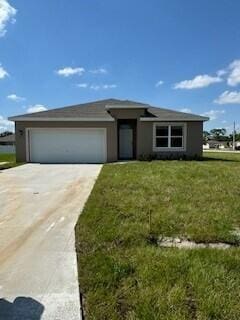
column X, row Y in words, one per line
column 126, row 139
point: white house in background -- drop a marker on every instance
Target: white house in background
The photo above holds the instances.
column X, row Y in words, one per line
column 206, row 146
column 214, row 144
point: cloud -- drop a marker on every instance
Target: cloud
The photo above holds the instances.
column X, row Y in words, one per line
column 228, row 97
column 221, row 72
column 104, row 86
column 6, row 125
column 213, row 114
column 16, row 98
column 7, row 13
column 95, row 87
column 99, row 71
column 82, row 85
column 109, row 86
column 159, row 83
column 199, row 81
column 36, row 108
column 234, row 75
column 3, row 72
column 186, row 110
column 69, row 71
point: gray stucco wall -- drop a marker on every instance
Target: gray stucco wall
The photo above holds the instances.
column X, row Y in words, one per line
column 144, row 135
column 193, row 141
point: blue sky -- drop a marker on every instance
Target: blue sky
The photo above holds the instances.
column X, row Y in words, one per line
column 183, row 55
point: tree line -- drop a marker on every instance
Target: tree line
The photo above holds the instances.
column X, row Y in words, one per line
column 5, row 133
column 219, row 134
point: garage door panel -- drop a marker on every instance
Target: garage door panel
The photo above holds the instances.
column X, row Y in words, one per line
column 67, row 145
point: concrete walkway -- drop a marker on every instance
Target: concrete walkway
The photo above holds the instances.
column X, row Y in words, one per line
column 39, row 207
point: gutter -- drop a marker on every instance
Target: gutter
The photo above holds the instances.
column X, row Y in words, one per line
column 59, row 119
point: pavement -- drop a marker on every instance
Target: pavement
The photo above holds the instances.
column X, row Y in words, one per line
column 221, row 150
column 39, row 207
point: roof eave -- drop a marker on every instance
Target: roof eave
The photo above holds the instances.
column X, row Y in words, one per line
column 172, row 119
column 65, row 119
column 124, row 106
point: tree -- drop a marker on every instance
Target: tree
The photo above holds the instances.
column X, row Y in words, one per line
column 6, row 133
column 218, row 133
column 206, row 136
column 237, row 136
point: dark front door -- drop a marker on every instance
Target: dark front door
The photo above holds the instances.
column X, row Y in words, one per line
column 126, row 139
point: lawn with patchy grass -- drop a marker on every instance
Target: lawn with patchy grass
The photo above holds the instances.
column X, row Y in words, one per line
column 123, row 274
column 10, row 159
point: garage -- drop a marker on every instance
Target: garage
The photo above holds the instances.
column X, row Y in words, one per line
column 66, row 145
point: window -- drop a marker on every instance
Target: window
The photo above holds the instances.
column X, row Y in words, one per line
column 168, row 136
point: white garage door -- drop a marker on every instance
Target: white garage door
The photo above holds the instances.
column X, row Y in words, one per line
column 85, row 145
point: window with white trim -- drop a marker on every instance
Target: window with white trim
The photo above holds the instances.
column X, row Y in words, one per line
column 168, row 136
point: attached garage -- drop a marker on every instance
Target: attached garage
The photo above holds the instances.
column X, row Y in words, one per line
column 66, row 145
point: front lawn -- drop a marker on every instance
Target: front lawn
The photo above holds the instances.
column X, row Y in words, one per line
column 123, row 274
column 10, row 159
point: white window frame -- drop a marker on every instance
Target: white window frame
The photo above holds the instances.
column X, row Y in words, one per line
column 169, row 125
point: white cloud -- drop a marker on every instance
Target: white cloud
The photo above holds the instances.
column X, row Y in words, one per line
column 36, row 108
column 3, row 72
column 234, row 75
column 221, row 72
column 14, row 97
column 6, row 125
column 186, row 110
column 104, row 86
column 82, row 85
column 7, row 13
column 69, row 71
column 213, row 114
column 228, row 97
column 159, row 83
column 99, row 71
column 95, row 87
column 109, row 86
column 199, row 81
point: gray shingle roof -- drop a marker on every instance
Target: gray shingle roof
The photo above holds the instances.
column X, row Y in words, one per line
column 97, row 109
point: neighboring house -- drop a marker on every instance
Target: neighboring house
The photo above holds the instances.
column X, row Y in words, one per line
column 237, row 145
column 106, row 131
column 215, row 144
column 7, row 144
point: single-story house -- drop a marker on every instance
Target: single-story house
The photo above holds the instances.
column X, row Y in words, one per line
column 106, row 131
column 8, row 140
column 215, row 144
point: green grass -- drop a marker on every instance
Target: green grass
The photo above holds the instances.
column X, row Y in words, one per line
column 10, row 158
column 123, row 275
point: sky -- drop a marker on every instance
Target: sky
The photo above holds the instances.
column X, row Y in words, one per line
column 183, row 55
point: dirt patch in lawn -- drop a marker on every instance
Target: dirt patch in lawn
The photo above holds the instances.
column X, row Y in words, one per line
column 183, row 243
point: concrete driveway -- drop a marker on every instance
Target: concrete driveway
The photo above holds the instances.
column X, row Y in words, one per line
column 39, row 207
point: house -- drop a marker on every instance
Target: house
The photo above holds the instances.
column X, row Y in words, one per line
column 106, row 131
column 215, row 144
column 8, row 140
column 7, row 144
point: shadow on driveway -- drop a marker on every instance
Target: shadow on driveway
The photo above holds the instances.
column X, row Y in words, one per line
column 22, row 308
